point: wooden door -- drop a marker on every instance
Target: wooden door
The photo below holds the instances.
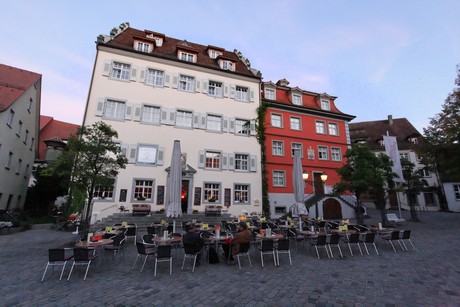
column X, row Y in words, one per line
column 332, row 209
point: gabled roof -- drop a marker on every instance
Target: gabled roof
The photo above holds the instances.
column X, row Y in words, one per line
column 13, row 83
column 125, row 41
column 372, row 133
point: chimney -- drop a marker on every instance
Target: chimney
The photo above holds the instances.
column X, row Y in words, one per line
column 390, row 119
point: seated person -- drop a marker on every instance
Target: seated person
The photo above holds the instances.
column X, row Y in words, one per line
column 243, row 235
column 193, row 237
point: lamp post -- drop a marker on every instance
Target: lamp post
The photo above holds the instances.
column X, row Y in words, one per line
column 312, row 182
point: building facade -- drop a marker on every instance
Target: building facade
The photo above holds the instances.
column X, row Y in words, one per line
column 154, row 89
column 297, row 119
column 408, row 138
column 20, row 95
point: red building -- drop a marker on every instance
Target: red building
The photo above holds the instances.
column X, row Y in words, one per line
column 311, row 123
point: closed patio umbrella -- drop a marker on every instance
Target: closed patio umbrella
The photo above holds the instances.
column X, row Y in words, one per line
column 298, row 183
column 173, row 208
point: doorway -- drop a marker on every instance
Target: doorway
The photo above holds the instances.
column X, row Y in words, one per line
column 185, row 196
column 319, row 185
column 332, row 209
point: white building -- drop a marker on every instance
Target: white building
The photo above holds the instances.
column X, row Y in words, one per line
column 153, row 89
column 20, row 94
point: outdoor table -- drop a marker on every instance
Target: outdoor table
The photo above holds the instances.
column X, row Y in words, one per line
column 274, row 236
column 309, row 233
column 344, row 232
column 97, row 245
column 162, row 240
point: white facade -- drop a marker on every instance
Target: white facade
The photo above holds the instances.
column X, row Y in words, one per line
column 452, row 190
column 19, row 125
column 149, row 117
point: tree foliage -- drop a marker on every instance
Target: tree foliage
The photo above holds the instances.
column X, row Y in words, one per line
column 413, row 184
column 95, row 159
column 442, row 136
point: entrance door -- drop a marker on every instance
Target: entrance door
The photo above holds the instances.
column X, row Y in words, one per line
column 332, row 209
column 319, row 186
column 184, row 196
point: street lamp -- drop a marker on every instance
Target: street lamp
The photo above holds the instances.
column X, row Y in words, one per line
column 312, row 182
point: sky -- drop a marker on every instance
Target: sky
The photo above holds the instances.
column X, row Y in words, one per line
column 379, row 57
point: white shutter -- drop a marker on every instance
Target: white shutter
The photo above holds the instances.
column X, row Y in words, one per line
column 133, row 73
column 107, row 65
column 252, row 127
column 205, row 86
column 201, row 159
column 167, row 82
column 225, row 124
column 164, row 116
column 197, row 85
column 224, row 161
column 225, row 90
column 232, row 91
column 202, row 121
column 128, row 111
column 251, row 95
column 232, row 125
column 124, row 149
column 161, row 156
column 137, row 112
column 253, row 163
column 142, row 75
column 132, row 153
column 175, row 81
column 100, row 107
column 196, row 120
column 231, row 161
column 172, row 117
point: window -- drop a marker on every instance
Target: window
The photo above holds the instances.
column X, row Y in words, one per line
column 296, row 146
column 155, row 77
column 147, row 154
column 276, row 120
column 188, row 57
column 215, row 89
column 320, row 127
column 103, row 192
column 10, row 119
column 279, row 178
column 322, row 153
column 227, row 65
column 184, row 118
column 241, row 194
column 333, row 129
column 120, row 71
column 186, row 83
column 404, row 155
column 214, row 122
column 212, row 192
column 151, row 114
column 270, row 93
column 8, row 161
column 143, row 189
column 241, row 93
column 18, row 132
column 143, row 47
column 425, row 172
column 212, row 159
column 114, row 109
column 214, row 54
column 295, row 123
column 325, row 104
column 336, row 154
column 241, row 162
column 277, row 148
column 242, row 126
column 457, row 192
column 297, row 99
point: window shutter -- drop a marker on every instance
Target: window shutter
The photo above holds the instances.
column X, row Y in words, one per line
column 142, row 75
column 128, row 111
column 224, row 161
column 137, row 112
column 100, row 107
column 251, row 95
column 161, row 155
column 232, row 125
column 132, row 153
column 201, row 159
column 172, row 117
column 107, row 65
column 133, row 73
column 231, row 161
column 225, row 90
column 252, row 163
column 175, row 81
column 252, row 127
column 197, row 85
column 225, row 124
column 232, row 91
column 205, row 86
column 196, row 120
column 124, row 149
column 164, row 116
column 202, row 121
column 167, row 80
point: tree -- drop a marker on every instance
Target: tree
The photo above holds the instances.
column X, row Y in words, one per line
column 441, row 146
column 413, row 185
column 96, row 160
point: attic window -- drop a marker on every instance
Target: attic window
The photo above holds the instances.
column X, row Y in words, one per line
column 325, row 104
column 213, row 53
column 413, row 140
column 187, row 57
column 297, row 99
column 227, row 65
column 143, row 46
column 382, row 143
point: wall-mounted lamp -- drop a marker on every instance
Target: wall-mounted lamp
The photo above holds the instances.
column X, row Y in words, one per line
column 305, row 178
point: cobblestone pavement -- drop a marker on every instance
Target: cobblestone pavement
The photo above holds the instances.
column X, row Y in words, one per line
column 428, row 276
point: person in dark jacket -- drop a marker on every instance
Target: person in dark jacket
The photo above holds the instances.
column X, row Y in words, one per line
column 193, row 237
column 243, row 235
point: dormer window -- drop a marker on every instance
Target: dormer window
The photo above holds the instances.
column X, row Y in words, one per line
column 143, row 47
column 413, row 140
column 214, row 54
column 270, row 93
column 187, row 57
column 382, row 143
column 297, row 99
column 325, row 104
column 227, row 65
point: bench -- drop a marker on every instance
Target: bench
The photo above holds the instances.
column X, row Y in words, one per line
column 393, row 218
column 141, row 208
column 212, row 210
